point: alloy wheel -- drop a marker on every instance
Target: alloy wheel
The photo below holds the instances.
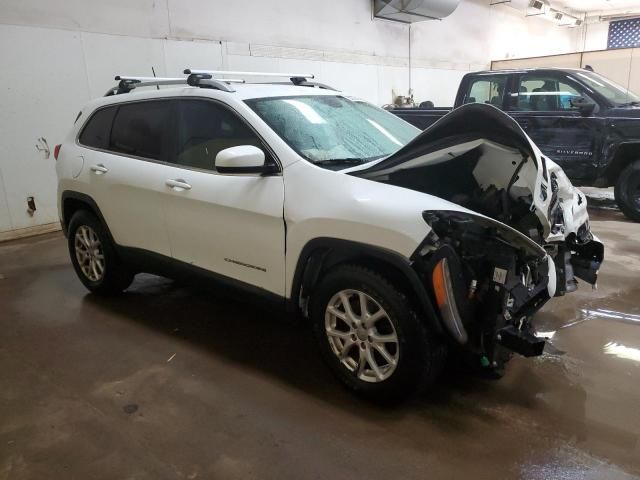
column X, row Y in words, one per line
column 361, row 335
column 89, row 253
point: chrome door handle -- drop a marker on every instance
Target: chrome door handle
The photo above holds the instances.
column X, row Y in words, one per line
column 178, row 184
column 99, row 169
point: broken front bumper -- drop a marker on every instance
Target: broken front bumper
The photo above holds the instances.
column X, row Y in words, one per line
column 487, row 281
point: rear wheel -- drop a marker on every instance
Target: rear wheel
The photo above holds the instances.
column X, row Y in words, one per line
column 94, row 257
column 627, row 191
column 370, row 337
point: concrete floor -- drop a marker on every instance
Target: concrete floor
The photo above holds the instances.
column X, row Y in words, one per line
column 168, row 382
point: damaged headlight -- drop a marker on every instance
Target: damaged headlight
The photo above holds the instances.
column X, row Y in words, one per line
column 555, row 213
column 484, row 276
column 466, row 222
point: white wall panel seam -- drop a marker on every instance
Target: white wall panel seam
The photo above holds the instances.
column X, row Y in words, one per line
column 84, row 63
column 169, row 18
column 6, row 200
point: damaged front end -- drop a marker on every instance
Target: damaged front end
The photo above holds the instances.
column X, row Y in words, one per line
column 487, row 281
column 517, row 232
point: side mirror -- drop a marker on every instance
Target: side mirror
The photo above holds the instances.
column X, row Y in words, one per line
column 240, row 160
column 585, row 107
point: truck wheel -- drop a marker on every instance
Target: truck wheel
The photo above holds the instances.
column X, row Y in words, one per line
column 627, row 191
column 371, row 338
column 94, row 257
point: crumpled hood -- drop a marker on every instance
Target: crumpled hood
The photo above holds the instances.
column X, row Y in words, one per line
column 471, row 125
column 470, row 121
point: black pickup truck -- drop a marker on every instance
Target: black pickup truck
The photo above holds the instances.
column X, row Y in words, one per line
column 584, row 122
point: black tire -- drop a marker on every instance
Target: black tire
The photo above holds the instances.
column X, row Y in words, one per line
column 115, row 277
column 627, row 191
column 420, row 355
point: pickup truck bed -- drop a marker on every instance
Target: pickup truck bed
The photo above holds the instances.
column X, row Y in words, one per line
column 421, row 117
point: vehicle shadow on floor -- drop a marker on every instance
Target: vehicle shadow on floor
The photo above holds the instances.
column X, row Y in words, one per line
column 539, row 394
column 279, row 346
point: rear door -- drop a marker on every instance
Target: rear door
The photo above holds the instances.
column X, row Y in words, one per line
column 123, row 164
column 228, row 224
column 541, row 104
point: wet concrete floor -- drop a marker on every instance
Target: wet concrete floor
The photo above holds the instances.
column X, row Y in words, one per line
column 169, row 382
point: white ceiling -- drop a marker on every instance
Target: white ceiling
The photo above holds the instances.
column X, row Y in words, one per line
column 597, row 5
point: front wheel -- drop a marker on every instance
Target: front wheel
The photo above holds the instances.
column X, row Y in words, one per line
column 371, row 338
column 627, row 191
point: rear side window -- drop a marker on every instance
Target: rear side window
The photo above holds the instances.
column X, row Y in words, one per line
column 487, row 90
column 96, row 132
column 141, row 129
column 206, row 128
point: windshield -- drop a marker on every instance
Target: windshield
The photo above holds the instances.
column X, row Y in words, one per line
column 616, row 94
column 334, row 130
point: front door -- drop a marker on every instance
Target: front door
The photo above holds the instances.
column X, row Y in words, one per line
column 228, row 224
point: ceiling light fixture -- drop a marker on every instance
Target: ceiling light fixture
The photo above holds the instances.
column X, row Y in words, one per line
column 541, row 9
column 613, row 18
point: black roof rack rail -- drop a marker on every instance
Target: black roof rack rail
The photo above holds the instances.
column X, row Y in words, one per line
column 206, row 80
column 128, row 83
column 303, row 82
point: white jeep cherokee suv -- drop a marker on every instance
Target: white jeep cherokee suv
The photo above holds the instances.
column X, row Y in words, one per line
column 398, row 245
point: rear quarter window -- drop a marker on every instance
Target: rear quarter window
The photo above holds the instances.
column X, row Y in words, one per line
column 98, row 128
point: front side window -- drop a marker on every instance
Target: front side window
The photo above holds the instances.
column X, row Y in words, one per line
column 546, row 94
column 141, row 129
column 334, row 130
column 616, row 94
column 206, row 128
column 487, row 90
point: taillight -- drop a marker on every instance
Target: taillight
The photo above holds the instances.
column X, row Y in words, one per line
column 56, row 151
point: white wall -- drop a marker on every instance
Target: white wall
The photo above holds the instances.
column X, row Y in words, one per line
column 621, row 65
column 470, row 38
column 58, row 54
column 595, row 36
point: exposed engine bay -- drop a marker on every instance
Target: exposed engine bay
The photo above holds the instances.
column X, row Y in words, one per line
column 521, row 237
column 482, row 176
